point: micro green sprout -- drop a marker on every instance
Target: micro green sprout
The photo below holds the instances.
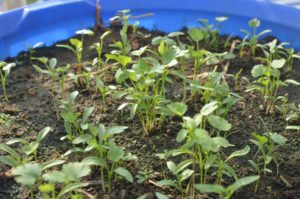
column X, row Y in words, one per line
column 5, row 69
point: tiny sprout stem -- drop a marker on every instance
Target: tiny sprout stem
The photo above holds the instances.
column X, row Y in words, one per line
column 53, row 97
column 3, row 83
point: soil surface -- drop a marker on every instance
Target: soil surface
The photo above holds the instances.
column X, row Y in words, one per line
column 30, row 109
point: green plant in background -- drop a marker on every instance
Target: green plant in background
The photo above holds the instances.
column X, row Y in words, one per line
column 211, row 31
column 62, row 77
column 104, row 92
column 73, row 124
column 29, row 174
column 109, row 156
column 5, row 69
column 29, row 149
column 268, row 82
column 32, row 50
column 291, row 55
column 6, row 120
column 70, row 178
column 227, row 192
column 99, row 47
column 273, row 50
column 77, row 45
column 252, row 37
column 52, row 72
column 123, row 45
column 267, row 145
column 293, row 116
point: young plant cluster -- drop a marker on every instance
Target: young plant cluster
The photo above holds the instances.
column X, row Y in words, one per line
column 144, row 77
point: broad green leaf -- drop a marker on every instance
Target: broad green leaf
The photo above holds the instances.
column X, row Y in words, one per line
column 196, row 34
column 42, row 134
column 10, row 161
column 277, row 138
column 46, row 188
column 182, row 165
column 279, row 63
column 210, row 161
column 115, row 154
column 51, row 163
column 181, row 135
column 171, row 166
column 116, row 130
column 84, row 138
column 239, row 153
column 170, row 183
column 243, row 182
column 55, row 177
column 27, row 174
column 161, row 196
column 210, row 188
column 291, row 81
column 94, row 161
column 52, row 63
column 87, row 112
column 39, row 70
column 209, row 108
column 71, row 187
column 124, row 173
column 186, row 174
column 75, row 170
column 258, row 71
column 30, row 148
column 219, row 123
column 178, row 108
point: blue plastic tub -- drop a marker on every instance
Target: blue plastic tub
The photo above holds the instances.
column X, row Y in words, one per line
column 57, row 20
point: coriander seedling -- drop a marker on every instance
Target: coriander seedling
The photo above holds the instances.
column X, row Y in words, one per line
column 5, row 69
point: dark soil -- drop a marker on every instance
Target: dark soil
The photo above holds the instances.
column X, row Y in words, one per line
column 31, row 109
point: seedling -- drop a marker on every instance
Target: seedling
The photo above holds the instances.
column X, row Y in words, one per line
column 32, row 50
column 109, row 156
column 268, row 82
column 251, row 38
column 5, row 120
column 29, row 174
column 29, row 149
column 267, row 144
column 290, row 57
column 226, row 193
column 99, row 47
column 104, row 91
column 123, row 45
column 293, row 116
column 70, row 177
column 5, row 69
column 52, row 72
column 77, row 45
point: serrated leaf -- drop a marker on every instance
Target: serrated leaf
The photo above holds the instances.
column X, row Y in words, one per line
column 258, row 70
column 178, row 108
column 54, row 177
column 27, row 174
column 75, row 170
column 219, row 123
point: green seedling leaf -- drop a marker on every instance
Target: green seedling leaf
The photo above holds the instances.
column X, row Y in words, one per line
column 116, row 130
column 242, row 182
column 42, row 134
column 71, row 187
column 254, row 23
column 196, row 34
column 84, row 138
column 210, row 161
column 161, row 196
column 16, row 140
column 94, row 161
column 279, row 63
column 52, row 63
column 277, row 138
column 181, row 135
column 124, row 173
column 39, row 70
column 209, row 108
column 219, row 123
column 181, row 166
column 115, row 154
column 30, row 148
column 27, row 174
column 9, row 161
column 170, row 183
column 10, row 150
column 178, row 108
column 210, row 188
column 258, row 70
column 293, row 128
column 175, row 34
column 186, row 174
column 239, row 153
column 105, row 34
column 54, row 177
column 221, row 19
column 46, row 188
column 51, row 163
column 75, row 170
column 291, row 81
